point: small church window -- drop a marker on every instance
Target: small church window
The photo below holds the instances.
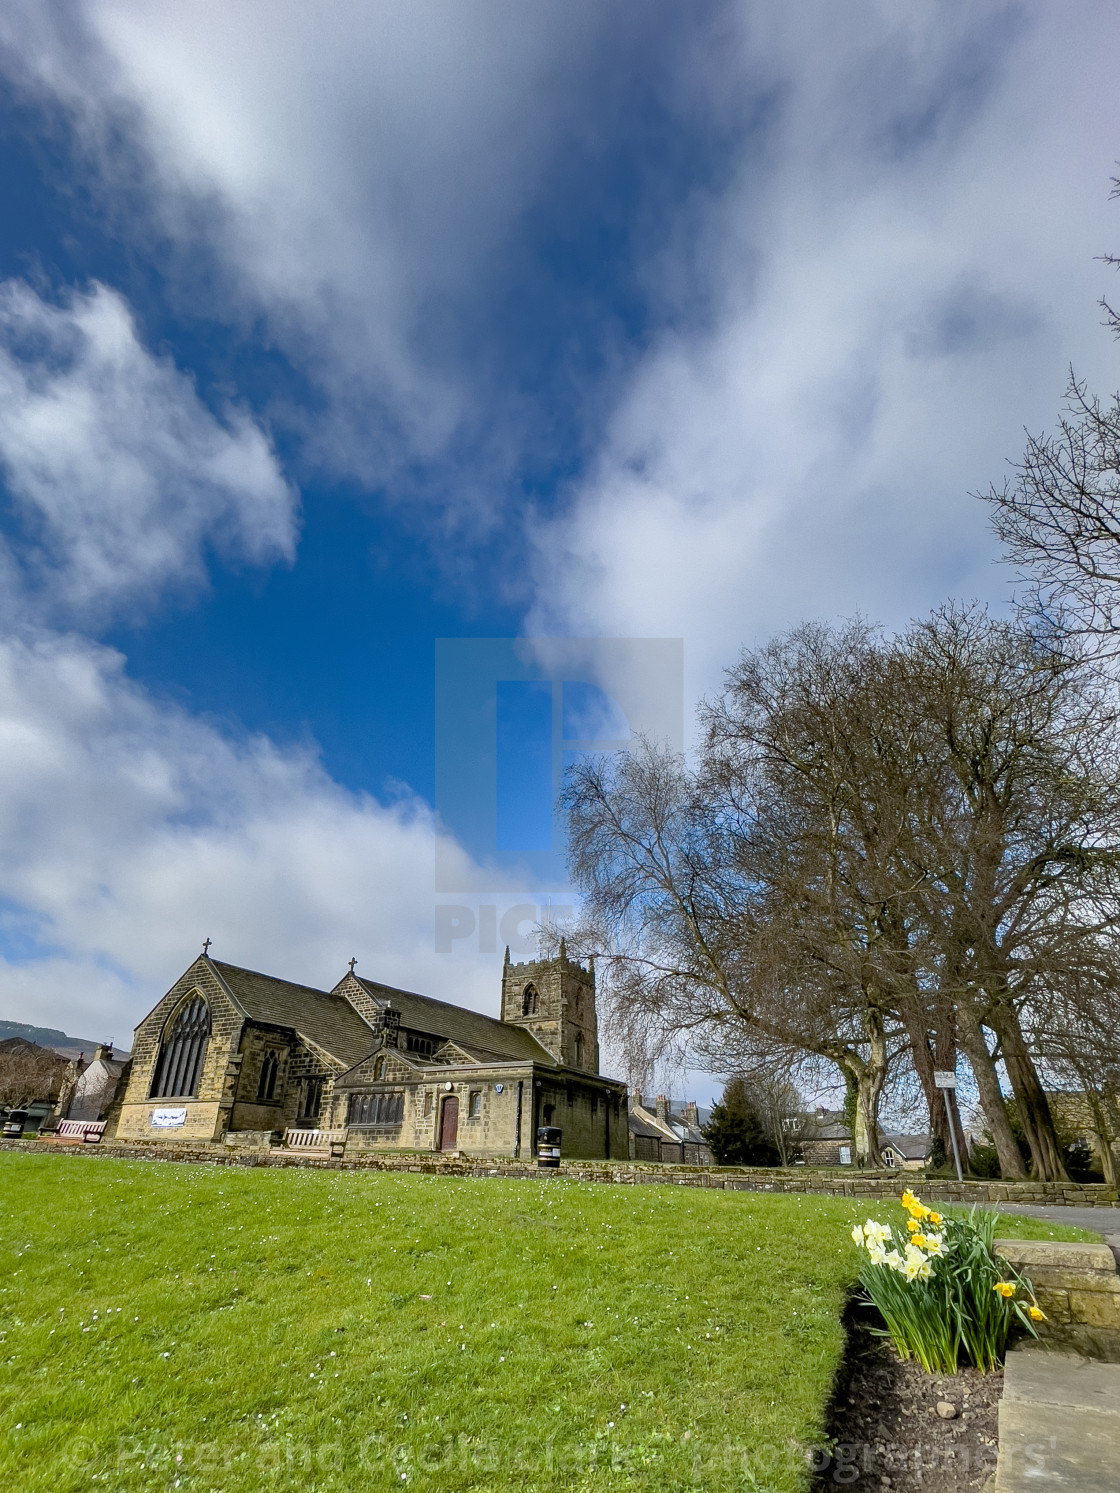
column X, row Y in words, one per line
column 429, row 1101
column 379, row 1070
column 579, row 1049
column 474, row 1107
column 310, row 1098
column 530, row 1001
column 266, row 1089
column 180, row 1063
column 375, row 1109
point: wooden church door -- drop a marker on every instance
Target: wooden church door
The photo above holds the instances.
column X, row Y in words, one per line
column 449, row 1124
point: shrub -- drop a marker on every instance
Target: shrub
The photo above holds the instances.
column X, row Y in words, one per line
column 940, row 1290
column 736, row 1134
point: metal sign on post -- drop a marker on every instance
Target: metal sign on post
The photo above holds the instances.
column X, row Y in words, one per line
column 946, row 1081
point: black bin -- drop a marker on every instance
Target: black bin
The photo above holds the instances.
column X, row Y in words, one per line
column 548, row 1145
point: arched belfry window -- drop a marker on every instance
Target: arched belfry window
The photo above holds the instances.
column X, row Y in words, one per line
column 530, row 1001
column 180, row 1062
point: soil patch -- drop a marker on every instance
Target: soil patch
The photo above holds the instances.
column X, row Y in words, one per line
column 884, row 1421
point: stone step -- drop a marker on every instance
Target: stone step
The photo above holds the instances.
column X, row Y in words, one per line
column 1059, row 1423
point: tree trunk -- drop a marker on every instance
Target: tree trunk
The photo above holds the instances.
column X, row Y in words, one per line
column 991, row 1096
column 1030, row 1097
column 1102, row 1134
column 868, row 1075
column 926, row 1058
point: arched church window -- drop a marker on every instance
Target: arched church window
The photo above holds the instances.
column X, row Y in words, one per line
column 530, row 1001
column 266, row 1089
column 379, row 1070
column 579, row 1049
column 180, row 1063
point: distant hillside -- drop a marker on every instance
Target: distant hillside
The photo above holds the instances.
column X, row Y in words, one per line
column 48, row 1036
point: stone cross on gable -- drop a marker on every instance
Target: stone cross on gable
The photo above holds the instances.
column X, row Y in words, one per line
column 352, row 964
column 206, row 947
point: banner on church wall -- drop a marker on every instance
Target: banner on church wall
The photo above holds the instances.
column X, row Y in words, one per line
column 167, row 1119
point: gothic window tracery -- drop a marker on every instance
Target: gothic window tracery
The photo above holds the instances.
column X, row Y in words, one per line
column 180, row 1063
column 530, row 1001
column 266, row 1088
column 310, row 1098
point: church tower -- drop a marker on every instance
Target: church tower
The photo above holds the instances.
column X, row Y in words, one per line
column 555, row 1000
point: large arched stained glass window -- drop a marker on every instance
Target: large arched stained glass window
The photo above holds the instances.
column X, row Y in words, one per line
column 180, row 1062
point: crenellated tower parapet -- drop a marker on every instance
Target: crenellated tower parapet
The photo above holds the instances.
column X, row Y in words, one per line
column 555, row 1000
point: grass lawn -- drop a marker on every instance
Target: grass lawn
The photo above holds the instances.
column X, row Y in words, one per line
column 171, row 1326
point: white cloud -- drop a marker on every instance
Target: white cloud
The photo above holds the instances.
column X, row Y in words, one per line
column 131, row 830
column 353, row 166
column 893, row 298
column 122, row 477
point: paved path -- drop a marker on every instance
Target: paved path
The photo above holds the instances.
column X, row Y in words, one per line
column 1059, row 1423
column 1103, row 1221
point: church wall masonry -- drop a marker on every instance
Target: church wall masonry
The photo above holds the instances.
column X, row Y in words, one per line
column 209, row 1109
column 392, row 1070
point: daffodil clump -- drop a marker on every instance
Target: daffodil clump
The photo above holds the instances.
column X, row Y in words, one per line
column 940, row 1289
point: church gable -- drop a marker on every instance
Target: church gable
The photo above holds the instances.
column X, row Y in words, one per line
column 198, row 1000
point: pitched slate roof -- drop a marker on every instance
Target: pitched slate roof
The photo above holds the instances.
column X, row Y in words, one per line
column 909, row 1147
column 470, row 1029
column 327, row 1020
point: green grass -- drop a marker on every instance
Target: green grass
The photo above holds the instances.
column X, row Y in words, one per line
column 168, row 1326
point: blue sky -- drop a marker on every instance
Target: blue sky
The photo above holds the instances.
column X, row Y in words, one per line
column 329, row 331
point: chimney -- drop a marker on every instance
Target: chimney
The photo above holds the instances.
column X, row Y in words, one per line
column 103, row 1052
column 691, row 1113
column 663, row 1109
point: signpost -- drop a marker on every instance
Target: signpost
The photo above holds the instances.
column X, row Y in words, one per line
column 946, row 1081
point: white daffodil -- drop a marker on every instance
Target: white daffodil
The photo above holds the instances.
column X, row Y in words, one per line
column 894, row 1260
column 877, row 1253
column 857, row 1234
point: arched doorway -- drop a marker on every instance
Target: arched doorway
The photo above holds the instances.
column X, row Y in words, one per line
column 449, row 1123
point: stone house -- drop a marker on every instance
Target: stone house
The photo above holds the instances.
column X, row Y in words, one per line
column 231, row 1053
column 826, row 1139
column 666, row 1130
column 907, row 1153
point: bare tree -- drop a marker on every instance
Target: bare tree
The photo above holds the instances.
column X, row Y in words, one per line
column 1059, row 517
column 28, row 1073
column 886, row 849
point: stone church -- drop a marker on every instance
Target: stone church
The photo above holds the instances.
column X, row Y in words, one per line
column 229, row 1054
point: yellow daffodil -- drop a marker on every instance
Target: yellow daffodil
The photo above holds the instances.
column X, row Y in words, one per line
column 913, row 1225
column 934, row 1218
column 1006, row 1288
column 918, row 1241
column 1036, row 1314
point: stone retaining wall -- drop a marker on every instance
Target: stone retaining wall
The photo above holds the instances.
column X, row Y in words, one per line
column 846, row 1183
column 1078, row 1288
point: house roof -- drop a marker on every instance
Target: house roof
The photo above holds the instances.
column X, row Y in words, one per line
column 909, row 1147
column 641, row 1124
column 327, row 1020
column 471, row 1030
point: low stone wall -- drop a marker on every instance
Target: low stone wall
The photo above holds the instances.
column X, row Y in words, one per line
column 1078, row 1288
column 872, row 1186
